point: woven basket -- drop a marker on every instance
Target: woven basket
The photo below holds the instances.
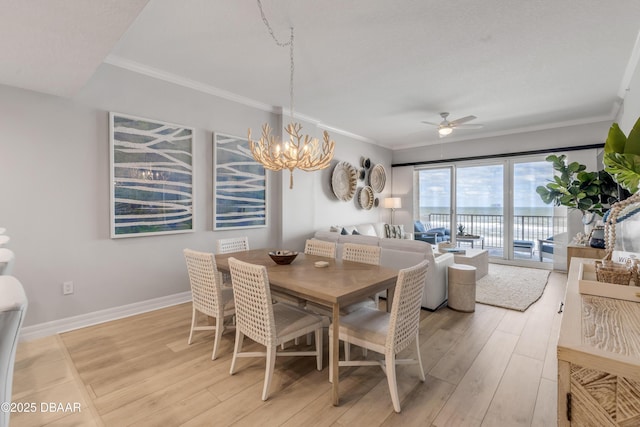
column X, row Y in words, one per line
column 613, row 272
column 607, row 270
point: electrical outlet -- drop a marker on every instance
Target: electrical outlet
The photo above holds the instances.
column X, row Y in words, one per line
column 67, row 288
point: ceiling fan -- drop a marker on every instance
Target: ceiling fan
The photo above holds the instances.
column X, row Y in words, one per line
column 445, row 127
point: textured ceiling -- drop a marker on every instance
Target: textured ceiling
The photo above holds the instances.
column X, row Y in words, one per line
column 55, row 46
column 376, row 68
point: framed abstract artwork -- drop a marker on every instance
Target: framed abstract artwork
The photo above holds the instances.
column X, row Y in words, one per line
column 240, row 185
column 152, row 188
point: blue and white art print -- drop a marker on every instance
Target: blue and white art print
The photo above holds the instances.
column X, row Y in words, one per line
column 151, row 177
column 240, row 185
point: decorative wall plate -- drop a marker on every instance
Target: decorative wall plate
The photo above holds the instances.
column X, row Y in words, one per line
column 365, row 198
column 377, row 178
column 344, row 181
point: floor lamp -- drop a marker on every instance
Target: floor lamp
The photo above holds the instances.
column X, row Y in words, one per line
column 392, row 203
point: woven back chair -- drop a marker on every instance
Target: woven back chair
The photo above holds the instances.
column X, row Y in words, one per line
column 387, row 333
column 366, row 254
column 208, row 295
column 320, row 248
column 232, row 244
column 266, row 323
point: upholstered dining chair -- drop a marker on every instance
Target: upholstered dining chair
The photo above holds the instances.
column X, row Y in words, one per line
column 387, row 333
column 320, row 248
column 7, row 257
column 266, row 323
column 232, row 244
column 208, row 295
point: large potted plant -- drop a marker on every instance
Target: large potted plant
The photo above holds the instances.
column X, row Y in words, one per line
column 592, row 193
column 622, row 156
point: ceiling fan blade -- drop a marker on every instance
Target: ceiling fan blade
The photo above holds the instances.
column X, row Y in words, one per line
column 431, row 123
column 469, row 126
column 462, row 120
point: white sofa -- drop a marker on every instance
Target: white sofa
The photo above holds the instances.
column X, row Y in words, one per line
column 403, row 253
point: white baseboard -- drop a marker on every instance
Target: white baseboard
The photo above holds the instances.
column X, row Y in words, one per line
column 41, row 330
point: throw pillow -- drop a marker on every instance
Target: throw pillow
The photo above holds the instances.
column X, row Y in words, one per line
column 337, row 228
column 355, row 232
column 344, row 232
column 394, row 231
column 419, row 227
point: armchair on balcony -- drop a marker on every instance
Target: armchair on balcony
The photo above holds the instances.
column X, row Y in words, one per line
column 546, row 247
column 430, row 235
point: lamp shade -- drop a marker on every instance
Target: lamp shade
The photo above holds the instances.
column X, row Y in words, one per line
column 392, row 203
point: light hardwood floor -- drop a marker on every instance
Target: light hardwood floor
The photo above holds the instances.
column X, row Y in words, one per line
column 493, row 367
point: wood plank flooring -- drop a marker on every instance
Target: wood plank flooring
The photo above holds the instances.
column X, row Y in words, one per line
column 493, row 367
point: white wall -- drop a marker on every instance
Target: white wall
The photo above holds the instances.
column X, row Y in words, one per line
column 54, row 178
column 630, row 110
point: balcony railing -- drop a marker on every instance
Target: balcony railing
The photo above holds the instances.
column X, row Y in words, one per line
column 491, row 227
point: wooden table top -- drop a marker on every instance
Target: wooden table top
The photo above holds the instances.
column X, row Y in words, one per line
column 342, row 282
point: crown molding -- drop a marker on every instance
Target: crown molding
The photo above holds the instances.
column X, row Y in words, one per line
column 156, row 73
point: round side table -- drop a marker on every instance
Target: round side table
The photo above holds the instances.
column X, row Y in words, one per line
column 462, row 287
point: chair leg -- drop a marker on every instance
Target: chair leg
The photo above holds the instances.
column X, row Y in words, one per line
column 390, row 364
column 236, row 349
column 219, row 330
column 318, row 349
column 419, row 357
column 271, row 363
column 193, row 325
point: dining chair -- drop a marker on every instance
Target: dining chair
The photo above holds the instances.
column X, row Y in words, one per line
column 7, row 257
column 232, row 244
column 320, row 248
column 366, row 254
column 208, row 295
column 266, row 323
column 387, row 333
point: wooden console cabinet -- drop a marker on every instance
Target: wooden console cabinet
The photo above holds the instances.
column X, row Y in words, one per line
column 598, row 359
column 579, row 251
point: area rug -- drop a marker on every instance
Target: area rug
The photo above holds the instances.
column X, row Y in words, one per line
column 511, row 287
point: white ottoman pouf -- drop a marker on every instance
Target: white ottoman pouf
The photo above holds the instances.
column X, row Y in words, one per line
column 462, row 287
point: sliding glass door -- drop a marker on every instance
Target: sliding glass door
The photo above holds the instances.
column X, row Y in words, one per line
column 492, row 205
column 434, row 197
column 480, row 201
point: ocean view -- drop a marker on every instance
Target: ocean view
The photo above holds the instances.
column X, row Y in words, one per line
column 496, row 210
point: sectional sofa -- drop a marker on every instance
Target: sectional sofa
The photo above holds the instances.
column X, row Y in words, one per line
column 400, row 253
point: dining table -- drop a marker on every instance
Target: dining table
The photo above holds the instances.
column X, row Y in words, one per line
column 336, row 284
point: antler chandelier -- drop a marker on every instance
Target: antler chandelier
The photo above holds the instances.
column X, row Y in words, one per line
column 300, row 151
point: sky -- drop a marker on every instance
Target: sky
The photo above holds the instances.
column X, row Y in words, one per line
column 482, row 186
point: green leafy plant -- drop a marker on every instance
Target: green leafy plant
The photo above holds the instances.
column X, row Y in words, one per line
column 622, row 156
column 575, row 188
